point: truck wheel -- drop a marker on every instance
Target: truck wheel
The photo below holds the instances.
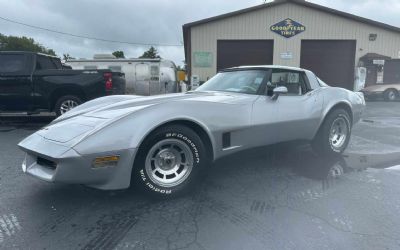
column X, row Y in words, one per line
column 334, row 134
column 170, row 162
column 390, row 95
column 66, row 103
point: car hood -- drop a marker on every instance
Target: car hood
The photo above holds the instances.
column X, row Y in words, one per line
column 88, row 118
column 116, row 106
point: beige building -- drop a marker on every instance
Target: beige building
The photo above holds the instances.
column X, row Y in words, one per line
column 297, row 33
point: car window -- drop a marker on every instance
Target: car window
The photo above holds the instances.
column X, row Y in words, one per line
column 142, row 72
column 243, row 81
column 154, row 70
column 292, row 80
column 44, row 62
column 57, row 63
column 12, row 63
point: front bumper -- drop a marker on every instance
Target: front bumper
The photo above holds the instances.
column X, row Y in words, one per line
column 51, row 161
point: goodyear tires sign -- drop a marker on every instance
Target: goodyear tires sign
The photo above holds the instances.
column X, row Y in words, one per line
column 288, row 28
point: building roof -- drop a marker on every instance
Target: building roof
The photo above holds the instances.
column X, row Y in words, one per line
column 299, row 2
column 374, row 56
column 186, row 27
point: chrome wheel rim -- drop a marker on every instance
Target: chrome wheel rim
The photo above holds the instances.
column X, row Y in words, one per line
column 338, row 133
column 169, row 163
column 392, row 95
column 67, row 105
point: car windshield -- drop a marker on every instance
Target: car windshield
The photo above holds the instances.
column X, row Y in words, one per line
column 243, row 81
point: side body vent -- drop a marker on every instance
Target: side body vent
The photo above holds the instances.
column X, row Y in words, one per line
column 226, row 140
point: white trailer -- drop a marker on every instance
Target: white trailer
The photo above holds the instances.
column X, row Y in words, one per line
column 143, row 76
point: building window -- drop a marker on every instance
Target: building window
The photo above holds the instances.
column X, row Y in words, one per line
column 154, row 70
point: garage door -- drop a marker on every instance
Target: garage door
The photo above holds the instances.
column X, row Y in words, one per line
column 331, row 60
column 232, row 53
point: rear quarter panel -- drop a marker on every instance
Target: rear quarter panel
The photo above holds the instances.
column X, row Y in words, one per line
column 334, row 96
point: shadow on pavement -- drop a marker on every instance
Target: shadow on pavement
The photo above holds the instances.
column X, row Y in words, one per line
column 30, row 122
column 247, row 189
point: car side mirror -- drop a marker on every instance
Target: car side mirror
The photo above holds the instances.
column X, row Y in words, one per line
column 278, row 91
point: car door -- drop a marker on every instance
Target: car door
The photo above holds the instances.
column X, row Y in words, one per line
column 265, row 121
column 264, row 117
column 15, row 82
column 300, row 109
column 42, row 87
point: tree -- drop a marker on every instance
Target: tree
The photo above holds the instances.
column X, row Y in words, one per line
column 15, row 43
column 151, row 53
column 119, row 54
column 67, row 57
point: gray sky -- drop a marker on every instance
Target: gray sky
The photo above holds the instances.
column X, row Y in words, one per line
column 143, row 21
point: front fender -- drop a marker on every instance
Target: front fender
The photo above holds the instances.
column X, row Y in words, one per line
column 131, row 130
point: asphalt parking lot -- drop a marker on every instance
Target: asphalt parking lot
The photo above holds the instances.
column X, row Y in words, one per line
column 269, row 198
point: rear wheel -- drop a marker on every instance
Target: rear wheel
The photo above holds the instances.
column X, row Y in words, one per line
column 390, row 95
column 334, row 134
column 66, row 103
column 170, row 162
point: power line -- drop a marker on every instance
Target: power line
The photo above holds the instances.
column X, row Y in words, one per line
column 89, row 37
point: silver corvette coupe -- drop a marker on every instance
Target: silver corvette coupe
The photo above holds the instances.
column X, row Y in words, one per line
column 163, row 144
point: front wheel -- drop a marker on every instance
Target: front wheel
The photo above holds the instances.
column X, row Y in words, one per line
column 170, row 162
column 334, row 135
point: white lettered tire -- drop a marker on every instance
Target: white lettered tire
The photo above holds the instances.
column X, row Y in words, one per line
column 170, row 161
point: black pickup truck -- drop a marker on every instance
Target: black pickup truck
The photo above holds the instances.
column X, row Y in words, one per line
column 34, row 82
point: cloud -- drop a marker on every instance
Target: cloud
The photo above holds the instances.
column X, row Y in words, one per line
column 385, row 11
column 143, row 21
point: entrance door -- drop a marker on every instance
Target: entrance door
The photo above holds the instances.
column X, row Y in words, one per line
column 372, row 75
column 392, row 71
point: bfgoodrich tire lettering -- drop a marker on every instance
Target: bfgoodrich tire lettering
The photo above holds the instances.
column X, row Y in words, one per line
column 334, row 134
column 170, row 161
